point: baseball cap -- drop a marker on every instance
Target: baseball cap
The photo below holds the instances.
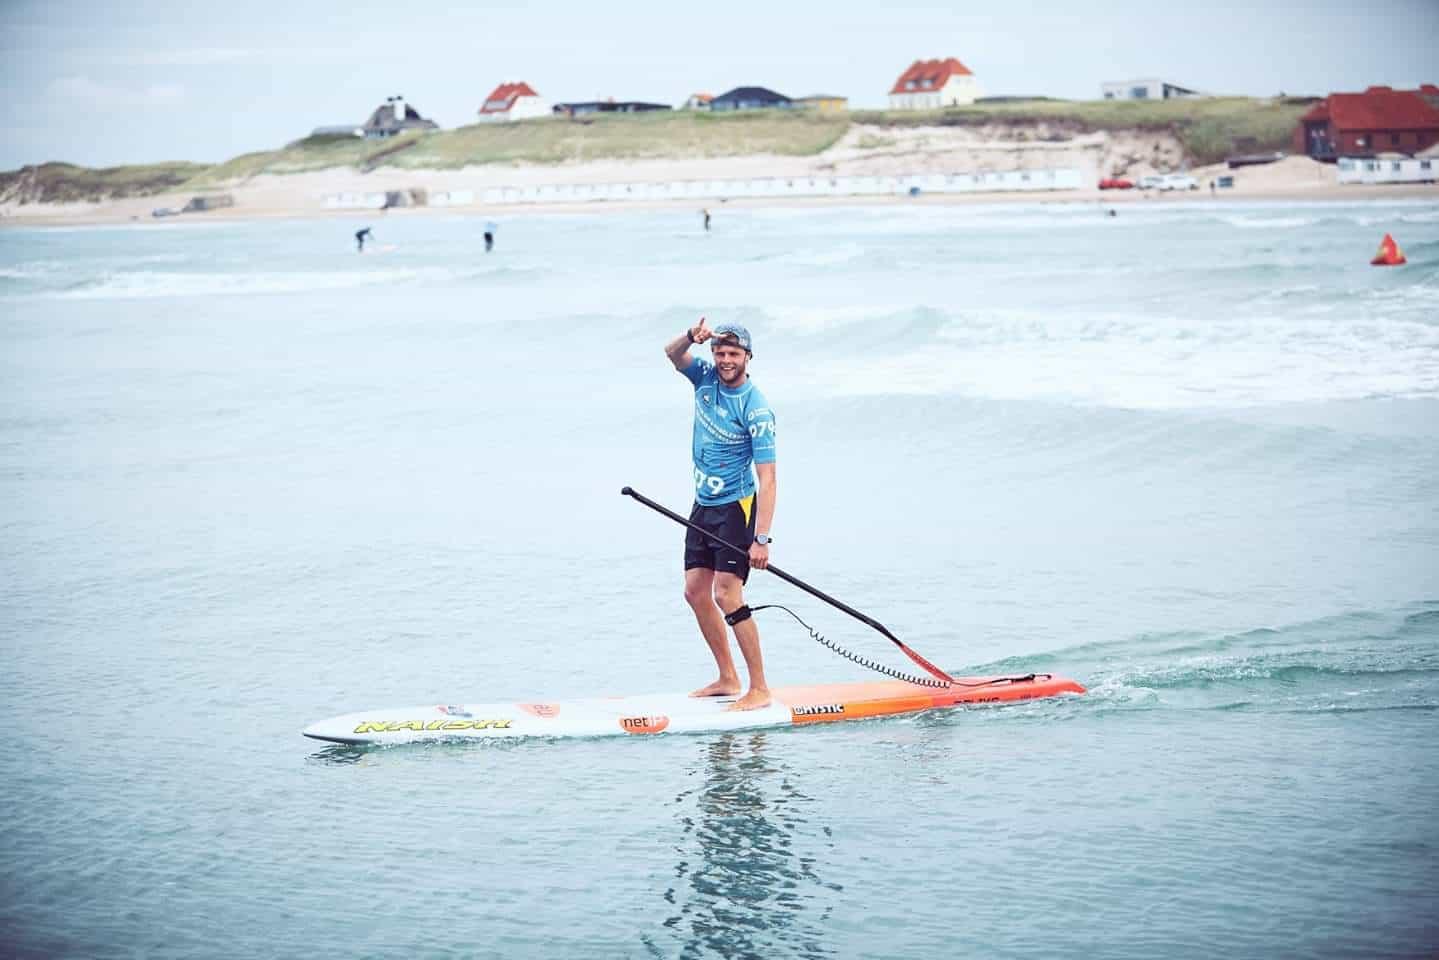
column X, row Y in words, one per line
column 734, row 335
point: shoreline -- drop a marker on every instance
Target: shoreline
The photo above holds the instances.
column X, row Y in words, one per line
column 301, row 195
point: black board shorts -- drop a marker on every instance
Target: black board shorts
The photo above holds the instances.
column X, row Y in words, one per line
column 731, row 522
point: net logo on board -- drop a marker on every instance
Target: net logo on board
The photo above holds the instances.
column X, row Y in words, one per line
column 653, row 724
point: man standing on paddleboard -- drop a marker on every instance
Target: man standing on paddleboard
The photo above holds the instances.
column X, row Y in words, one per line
column 734, row 457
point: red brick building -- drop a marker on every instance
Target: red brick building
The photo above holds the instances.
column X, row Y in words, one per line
column 1379, row 120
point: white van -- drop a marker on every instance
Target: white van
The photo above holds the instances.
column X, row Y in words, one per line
column 1178, row 181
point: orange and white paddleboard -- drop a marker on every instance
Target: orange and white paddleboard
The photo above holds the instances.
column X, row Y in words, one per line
column 677, row 713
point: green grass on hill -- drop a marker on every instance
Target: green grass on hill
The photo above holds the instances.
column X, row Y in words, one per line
column 1207, row 128
column 67, row 183
column 654, row 135
column 658, row 134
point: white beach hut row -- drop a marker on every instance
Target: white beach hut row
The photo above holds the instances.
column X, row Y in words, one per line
column 914, row 184
column 376, row 201
column 1408, row 170
column 1013, row 180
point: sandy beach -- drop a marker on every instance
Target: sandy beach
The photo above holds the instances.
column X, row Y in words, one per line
column 863, row 151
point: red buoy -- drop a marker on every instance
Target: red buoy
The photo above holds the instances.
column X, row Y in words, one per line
column 1389, row 254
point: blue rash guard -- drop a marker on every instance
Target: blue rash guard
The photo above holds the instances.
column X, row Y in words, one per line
column 733, row 428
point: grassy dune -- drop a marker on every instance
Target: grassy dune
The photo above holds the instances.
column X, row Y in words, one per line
column 1206, row 127
column 657, row 134
column 67, row 183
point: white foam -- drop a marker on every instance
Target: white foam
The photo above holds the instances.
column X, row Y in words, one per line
column 1269, row 223
column 809, row 320
column 131, row 284
column 35, row 270
column 1152, row 363
column 1418, row 216
column 822, row 256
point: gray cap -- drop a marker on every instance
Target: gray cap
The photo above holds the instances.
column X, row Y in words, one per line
column 732, row 334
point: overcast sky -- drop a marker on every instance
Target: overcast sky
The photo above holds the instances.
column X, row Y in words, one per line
column 105, row 82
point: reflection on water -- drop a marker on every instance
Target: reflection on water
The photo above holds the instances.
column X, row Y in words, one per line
column 349, row 754
column 745, row 884
column 340, row 754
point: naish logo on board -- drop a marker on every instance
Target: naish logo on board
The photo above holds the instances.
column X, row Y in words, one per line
column 818, row 710
column 431, row 726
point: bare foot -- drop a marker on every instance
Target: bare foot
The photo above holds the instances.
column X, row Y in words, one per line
column 720, row 688
column 753, row 700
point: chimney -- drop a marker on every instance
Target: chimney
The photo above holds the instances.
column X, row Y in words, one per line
column 399, row 109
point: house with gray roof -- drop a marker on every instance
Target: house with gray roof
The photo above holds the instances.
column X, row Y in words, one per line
column 750, row 98
column 607, row 106
column 393, row 117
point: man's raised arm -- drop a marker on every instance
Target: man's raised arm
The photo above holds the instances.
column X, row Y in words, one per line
column 678, row 349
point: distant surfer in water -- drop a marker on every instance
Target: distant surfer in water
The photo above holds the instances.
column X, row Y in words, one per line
column 734, row 469
column 360, row 237
column 707, row 220
column 489, row 237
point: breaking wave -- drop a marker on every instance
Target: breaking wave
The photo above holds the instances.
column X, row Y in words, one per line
column 1359, row 661
column 1124, row 359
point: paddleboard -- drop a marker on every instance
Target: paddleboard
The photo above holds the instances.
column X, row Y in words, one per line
column 676, row 712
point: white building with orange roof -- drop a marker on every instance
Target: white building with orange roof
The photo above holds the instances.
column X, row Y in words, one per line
column 930, row 84
column 513, row 101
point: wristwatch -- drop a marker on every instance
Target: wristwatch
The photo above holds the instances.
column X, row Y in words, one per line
column 763, row 539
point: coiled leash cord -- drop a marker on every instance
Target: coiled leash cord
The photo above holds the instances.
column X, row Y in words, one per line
column 743, row 614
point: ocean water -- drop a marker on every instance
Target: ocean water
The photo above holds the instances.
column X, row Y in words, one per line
column 1188, row 455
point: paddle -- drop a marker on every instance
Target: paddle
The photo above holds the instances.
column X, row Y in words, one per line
column 796, row 581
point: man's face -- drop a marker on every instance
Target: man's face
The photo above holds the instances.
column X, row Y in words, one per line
column 730, row 363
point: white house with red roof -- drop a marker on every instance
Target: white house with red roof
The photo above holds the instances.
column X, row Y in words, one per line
column 513, row 101
column 929, row 84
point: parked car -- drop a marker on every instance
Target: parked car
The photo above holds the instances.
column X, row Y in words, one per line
column 1116, row 183
column 1151, row 181
column 1179, row 181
